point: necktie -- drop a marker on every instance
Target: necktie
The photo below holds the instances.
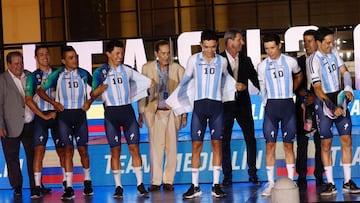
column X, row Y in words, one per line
column 236, row 68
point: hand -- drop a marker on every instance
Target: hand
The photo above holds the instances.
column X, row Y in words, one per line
column 86, row 105
column 349, row 96
column 310, row 99
column 302, row 93
column 168, row 107
column 2, row 132
column 240, row 86
column 99, row 90
column 51, row 115
column 141, row 120
column 183, row 122
column 59, row 107
column 338, row 111
column 152, row 83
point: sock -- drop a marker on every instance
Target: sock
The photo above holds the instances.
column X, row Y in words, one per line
column 329, row 174
column 117, row 177
column 347, row 172
column 138, row 173
column 37, row 177
column 86, row 173
column 63, row 172
column 195, row 176
column 270, row 173
column 69, row 176
column 216, row 175
column 290, row 169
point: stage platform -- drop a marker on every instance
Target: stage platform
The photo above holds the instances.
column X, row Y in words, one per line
column 238, row 193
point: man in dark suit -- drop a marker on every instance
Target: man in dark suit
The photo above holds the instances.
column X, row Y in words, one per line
column 16, row 122
column 305, row 97
column 242, row 69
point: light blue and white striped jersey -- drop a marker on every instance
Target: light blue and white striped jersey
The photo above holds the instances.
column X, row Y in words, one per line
column 71, row 89
column 33, row 82
column 277, row 76
column 325, row 69
column 118, row 80
column 208, row 77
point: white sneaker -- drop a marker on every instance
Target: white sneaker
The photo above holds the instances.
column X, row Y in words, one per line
column 267, row 191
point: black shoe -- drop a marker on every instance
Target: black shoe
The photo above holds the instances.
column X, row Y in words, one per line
column 142, row 191
column 18, row 191
column 68, row 194
column 88, row 190
column 217, row 192
column 329, row 190
column 350, row 187
column 118, row 192
column 254, row 179
column 154, row 188
column 64, row 184
column 35, row 192
column 320, row 182
column 192, row 192
column 227, row 182
column 44, row 190
column 302, row 184
column 168, row 187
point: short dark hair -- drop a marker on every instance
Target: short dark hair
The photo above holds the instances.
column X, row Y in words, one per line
column 231, row 34
column 160, row 43
column 310, row 32
column 271, row 37
column 65, row 49
column 40, row 47
column 322, row 32
column 208, row 35
column 12, row 54
column 112, row 44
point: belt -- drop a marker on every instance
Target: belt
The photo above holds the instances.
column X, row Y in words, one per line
column 162, row 109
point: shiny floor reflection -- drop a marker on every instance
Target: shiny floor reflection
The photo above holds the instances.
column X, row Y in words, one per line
column 239, row 192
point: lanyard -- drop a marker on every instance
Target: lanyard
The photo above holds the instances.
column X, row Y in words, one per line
column 162, row 76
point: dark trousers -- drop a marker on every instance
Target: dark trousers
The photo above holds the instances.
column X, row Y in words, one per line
column 11, row 149
column 243, row 115
column 302, row 148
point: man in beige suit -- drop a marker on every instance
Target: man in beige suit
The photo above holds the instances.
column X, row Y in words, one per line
column 163, row 125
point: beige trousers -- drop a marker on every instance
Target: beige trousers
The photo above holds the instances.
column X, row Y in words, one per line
column 163, row 136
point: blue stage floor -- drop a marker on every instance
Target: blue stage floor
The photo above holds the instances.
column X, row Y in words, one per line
column 238, row 193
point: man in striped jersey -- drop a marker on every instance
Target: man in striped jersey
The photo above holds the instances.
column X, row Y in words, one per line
column 325, row 68
column 277, row 86
column 71, row 103
column 208, row 70
column 44, row 116
column 119, row 86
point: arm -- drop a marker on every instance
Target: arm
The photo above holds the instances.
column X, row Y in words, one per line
column 183, row 120
column 347, row 83
column 34, row 108
column 338, row 111
column 30, row 89
column 261, row 77
column 41, row 92
column 253, row 75
column 87, row 103
column 2, row 122
column 298, row 77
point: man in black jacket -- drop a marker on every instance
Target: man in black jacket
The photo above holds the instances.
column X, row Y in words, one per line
column 305, row 99
column 242, row 69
